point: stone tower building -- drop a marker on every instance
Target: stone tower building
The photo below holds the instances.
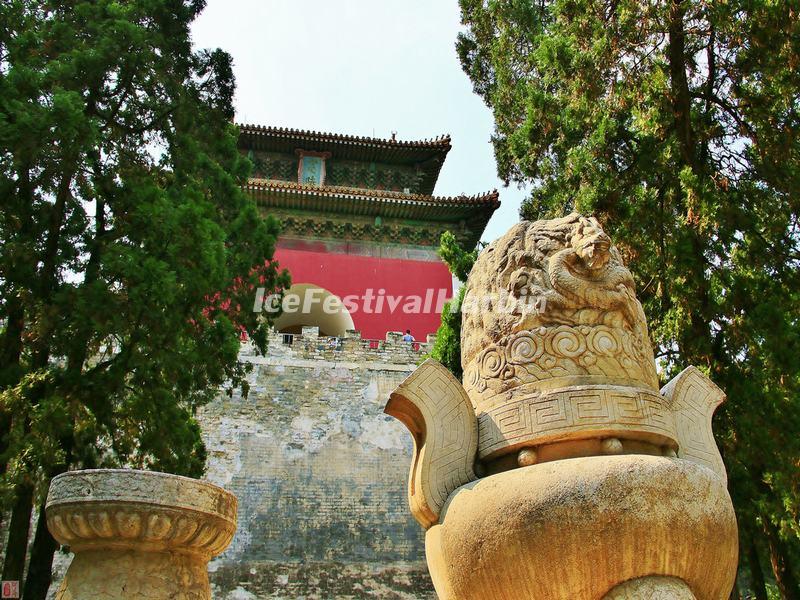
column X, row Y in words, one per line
column 319, row 470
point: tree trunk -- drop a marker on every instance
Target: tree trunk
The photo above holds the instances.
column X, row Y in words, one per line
column 756, row 573
column 10, row 353
column 781, row 566
column 735, row 593
column 696, row 346
column 19, row 527
column 40, row 568
column 18, row 531
column 679, row 83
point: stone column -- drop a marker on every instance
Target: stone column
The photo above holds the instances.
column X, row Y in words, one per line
column 138, row 535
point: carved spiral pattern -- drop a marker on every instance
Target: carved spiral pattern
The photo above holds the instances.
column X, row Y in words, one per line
column 566, row 342
column 524, row 347
column 603, row 342
column 472, row 376
column 562, row 350
column 493, row 363
column 628, row 347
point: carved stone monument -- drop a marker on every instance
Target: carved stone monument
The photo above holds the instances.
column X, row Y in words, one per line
column 138, row 535
column 559, row 470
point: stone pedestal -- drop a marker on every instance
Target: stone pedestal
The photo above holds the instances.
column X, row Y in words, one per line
column 138, row 535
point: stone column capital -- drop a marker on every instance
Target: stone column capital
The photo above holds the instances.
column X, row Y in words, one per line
column 140, row 510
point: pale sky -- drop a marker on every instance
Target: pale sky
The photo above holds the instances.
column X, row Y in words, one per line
column 361, row 67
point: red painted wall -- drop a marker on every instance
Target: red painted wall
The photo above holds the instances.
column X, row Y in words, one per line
column 352, row 275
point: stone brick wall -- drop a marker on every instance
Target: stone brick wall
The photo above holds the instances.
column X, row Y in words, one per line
column 320, row 473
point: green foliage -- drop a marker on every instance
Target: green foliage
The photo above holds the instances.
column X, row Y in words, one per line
column 447, row 347
column 129, row 252
column 677, row 123
column 458, row 260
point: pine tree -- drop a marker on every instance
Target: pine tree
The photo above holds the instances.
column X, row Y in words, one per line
column 128, row 249
column 677, row 123
column 447, row 347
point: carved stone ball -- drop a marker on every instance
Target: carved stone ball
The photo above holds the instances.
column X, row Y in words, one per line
column 527, row 457
column 611, row 446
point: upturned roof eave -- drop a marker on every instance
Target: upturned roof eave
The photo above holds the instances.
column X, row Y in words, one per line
column 473, row 212
column 428, row 155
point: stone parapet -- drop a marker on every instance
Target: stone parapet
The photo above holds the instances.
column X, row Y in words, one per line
column 351, row 348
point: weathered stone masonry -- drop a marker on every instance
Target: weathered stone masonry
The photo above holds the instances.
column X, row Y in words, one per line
column 320, row 473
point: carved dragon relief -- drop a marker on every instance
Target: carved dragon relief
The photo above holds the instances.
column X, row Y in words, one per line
column 591, row 273
column 559, row 280
column 559, row 272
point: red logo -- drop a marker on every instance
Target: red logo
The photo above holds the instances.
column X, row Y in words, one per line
column 10, row 589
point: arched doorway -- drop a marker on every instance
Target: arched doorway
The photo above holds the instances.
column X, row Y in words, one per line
column 314, row 306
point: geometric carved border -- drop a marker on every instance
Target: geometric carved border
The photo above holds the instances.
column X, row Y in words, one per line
column 693, row 399
column 439, row 416
column 577, row 412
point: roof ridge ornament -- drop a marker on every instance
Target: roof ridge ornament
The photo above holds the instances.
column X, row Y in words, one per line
column 440, row 140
